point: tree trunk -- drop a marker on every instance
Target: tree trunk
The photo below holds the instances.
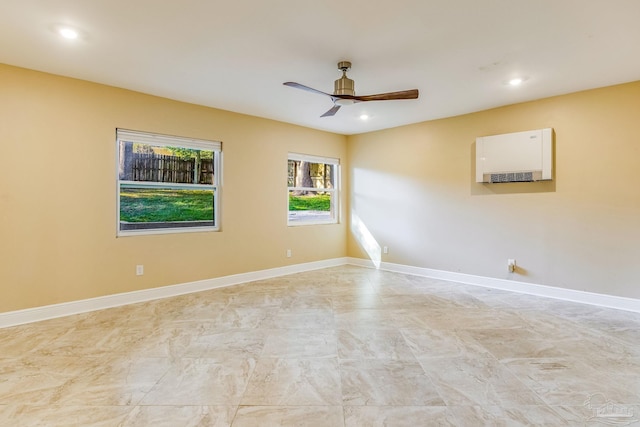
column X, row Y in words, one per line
column 303, row 178
column 196, row 168
column 125, row 167
column 328, row 176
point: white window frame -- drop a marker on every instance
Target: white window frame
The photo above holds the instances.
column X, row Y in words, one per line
column 335, row 192
column 124, row 135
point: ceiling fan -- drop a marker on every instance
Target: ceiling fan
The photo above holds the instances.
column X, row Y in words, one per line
column 344, row 92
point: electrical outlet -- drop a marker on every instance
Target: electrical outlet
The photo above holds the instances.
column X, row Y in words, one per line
column 288, row 253
column 385, row 249
column 139, row 270
column 511, row 265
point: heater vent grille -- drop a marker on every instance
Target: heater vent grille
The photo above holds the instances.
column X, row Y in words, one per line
column 512, row 177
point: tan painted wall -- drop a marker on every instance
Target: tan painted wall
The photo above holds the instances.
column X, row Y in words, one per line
column 58, row 193
column 413, row 188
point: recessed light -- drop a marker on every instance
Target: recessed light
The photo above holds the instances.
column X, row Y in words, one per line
column 364, row 117
column 68, row 33
column 515, row 81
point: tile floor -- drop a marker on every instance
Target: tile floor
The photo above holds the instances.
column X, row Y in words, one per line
column 344, row 346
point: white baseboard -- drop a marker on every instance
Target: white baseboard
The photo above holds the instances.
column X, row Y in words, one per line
column 36, row 314
column 602, row 300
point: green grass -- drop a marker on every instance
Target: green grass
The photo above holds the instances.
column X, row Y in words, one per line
column 319, row 202
column 163, row 205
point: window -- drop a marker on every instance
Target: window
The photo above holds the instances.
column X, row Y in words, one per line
column 313, row 189
column 166, row 184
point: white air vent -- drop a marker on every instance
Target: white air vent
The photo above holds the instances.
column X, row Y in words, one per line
column 515, row 157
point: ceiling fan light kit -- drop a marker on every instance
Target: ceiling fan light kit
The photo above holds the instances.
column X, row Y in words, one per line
column 344, row 92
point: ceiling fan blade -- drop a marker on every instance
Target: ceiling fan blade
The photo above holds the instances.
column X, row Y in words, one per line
column 404, row 94
column 332, row 111
column 307, row 88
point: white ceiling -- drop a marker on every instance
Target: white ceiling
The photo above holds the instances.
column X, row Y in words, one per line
column 235, row 55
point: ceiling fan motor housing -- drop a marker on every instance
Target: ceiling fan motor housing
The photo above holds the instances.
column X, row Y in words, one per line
column 344, row 85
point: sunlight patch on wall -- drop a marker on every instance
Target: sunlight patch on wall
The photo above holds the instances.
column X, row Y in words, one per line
column 365, row 239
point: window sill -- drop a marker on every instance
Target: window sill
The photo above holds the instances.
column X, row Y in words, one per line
column 165, row 229
column 303, row 223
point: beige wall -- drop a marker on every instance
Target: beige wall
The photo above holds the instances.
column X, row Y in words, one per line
column 413, row 189
column 58, row 193
column 410, row 188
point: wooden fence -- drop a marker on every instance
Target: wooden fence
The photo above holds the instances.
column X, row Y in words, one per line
column 162, row 168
